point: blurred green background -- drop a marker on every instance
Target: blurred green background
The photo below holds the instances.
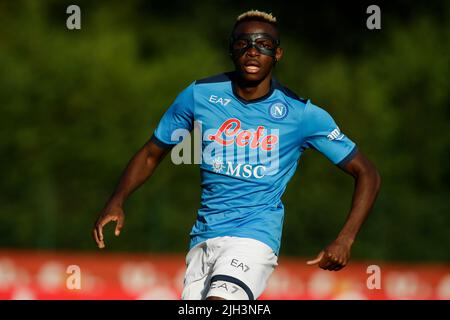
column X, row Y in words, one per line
column 76, row 105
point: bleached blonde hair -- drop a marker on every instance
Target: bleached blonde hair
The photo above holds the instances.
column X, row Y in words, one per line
column 257, row 15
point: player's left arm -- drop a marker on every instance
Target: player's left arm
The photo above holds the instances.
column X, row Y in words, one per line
column 367, row 185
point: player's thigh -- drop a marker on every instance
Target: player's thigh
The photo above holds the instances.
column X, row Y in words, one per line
column 242, row 269
column 196, row 278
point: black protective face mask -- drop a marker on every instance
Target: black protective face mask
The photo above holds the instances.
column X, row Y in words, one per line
column 263, row 42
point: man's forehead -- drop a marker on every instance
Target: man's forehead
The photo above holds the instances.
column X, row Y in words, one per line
column 256, row 27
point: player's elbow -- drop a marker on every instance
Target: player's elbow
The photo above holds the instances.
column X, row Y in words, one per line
column 374, row 177
column 370, row 175
column 377, row 180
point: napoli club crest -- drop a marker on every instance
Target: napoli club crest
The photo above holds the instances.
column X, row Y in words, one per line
column 278, row 110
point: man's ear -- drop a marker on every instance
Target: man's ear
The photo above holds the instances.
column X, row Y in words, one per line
column 278, row 54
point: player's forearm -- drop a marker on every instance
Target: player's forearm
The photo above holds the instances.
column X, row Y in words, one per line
column 367, row 186
column 138, row 170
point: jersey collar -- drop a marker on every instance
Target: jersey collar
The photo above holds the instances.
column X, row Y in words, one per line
column 244, row 101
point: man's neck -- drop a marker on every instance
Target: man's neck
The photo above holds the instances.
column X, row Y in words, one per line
column 252, row 91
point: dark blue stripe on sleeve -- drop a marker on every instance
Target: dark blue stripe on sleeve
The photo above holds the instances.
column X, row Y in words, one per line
column 161, row 144
column 348, row 157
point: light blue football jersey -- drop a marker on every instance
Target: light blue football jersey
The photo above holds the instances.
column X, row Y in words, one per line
column 250, row 151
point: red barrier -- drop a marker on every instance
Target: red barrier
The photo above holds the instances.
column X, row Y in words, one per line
column 50, row 275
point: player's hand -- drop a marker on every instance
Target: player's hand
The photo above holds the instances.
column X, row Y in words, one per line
column 335, row 256
column 110, row 213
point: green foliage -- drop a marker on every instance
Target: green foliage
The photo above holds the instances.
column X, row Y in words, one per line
column 76, row 105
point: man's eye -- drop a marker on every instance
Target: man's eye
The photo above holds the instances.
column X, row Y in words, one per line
column 265, row 44
column 239, row 44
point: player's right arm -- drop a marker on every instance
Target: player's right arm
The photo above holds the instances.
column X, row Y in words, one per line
column 138, row 170
column 180, row 115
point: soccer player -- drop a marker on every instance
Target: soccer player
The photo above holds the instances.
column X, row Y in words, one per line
column 254, row 130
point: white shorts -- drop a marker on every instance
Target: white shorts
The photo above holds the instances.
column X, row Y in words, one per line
column 231, row 268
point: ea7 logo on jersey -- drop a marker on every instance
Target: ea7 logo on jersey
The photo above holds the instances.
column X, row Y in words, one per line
column 335, row 135
column 218, row 100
